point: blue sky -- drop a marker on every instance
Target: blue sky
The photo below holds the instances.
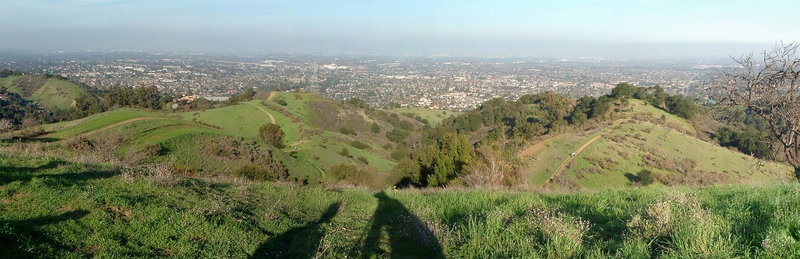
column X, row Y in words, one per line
column 296, row 26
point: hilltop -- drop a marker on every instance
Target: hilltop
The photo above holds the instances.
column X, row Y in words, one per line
column 641, row 137
column 47, row 91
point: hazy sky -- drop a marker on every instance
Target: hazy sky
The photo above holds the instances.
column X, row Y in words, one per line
column 531, row 28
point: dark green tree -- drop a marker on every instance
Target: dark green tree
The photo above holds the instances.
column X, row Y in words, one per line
column 272, row 134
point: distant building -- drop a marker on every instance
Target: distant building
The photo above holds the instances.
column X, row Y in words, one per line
column 217, row 98
column 188, row 98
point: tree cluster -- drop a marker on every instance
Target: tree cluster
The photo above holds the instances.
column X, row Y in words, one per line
column 119, row 96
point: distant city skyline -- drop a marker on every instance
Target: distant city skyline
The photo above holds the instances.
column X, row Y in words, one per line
column 614, row 29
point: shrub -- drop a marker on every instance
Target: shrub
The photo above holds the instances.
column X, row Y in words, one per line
column 645, row 177
column 272, row 134
column 363, row 160
column 182, row 169
column 351, row 173
column 150, row 149
column 256, row 173
column 375, row 128
column 359, row 144
column 30, row 132
column 399, row 153
column 347, row 131
column 280, row 101
column 344, row 152
column 397, row 135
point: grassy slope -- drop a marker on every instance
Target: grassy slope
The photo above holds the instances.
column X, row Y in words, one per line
column 56, row 208
column 54, row 93
column 8, row 82
column 641, row 138
column 322, row 149
column 184, row 138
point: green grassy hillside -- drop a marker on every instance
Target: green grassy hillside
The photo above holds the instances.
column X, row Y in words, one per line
column 644, row 137
column 51, row 207
column 48, row 92
column 314, row 141
column 310, row 135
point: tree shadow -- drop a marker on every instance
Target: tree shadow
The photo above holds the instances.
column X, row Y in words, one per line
column 24, row 239
column 408, row 236
column 607, row 223
column 632, row 177
column 299, row 242
column 10, row 174
column 16, row 140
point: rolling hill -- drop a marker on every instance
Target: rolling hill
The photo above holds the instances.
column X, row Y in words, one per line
column 314, row 127
column 641, row 137
column 322, row 133
column 51, row 92
column 97, row 187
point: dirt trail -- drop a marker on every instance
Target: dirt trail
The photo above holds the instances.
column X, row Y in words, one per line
column 265, row 111
column 564, row 164
column 271, row 94
column 535, row 148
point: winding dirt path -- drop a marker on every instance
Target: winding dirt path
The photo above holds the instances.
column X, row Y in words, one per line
column 271, row 94
column 265, row 111
column 564, row 164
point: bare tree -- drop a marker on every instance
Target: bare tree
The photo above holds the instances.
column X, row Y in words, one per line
column 768, row 85
column 5, row 125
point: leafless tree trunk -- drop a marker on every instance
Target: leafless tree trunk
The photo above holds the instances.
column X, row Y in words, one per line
column 768, row 85
column 5, row 125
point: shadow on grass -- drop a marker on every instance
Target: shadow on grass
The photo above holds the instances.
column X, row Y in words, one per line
column 24, row 239
column 28, row 140
column 299, row 242
column 408, row 236
column 608, row 223
column 10, row 174
column 632, row 178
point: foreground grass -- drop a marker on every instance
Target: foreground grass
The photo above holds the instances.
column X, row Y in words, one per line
column 55, row 208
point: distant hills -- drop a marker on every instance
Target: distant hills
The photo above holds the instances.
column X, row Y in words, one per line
column 607, row 146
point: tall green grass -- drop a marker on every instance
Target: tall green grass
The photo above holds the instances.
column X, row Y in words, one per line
column 50, row 207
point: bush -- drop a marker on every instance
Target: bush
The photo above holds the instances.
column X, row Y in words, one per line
column 255, row 173
column 645, row 177
column 151, row 149
column 359, row 144
column 347, row 131
column 181, row 169
column 281, row 101
column 363, row 160
column 351, row 173
column 375, row 128
column 344, row 152
column 272, row 134
column 397, row 135
column 399, row 153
